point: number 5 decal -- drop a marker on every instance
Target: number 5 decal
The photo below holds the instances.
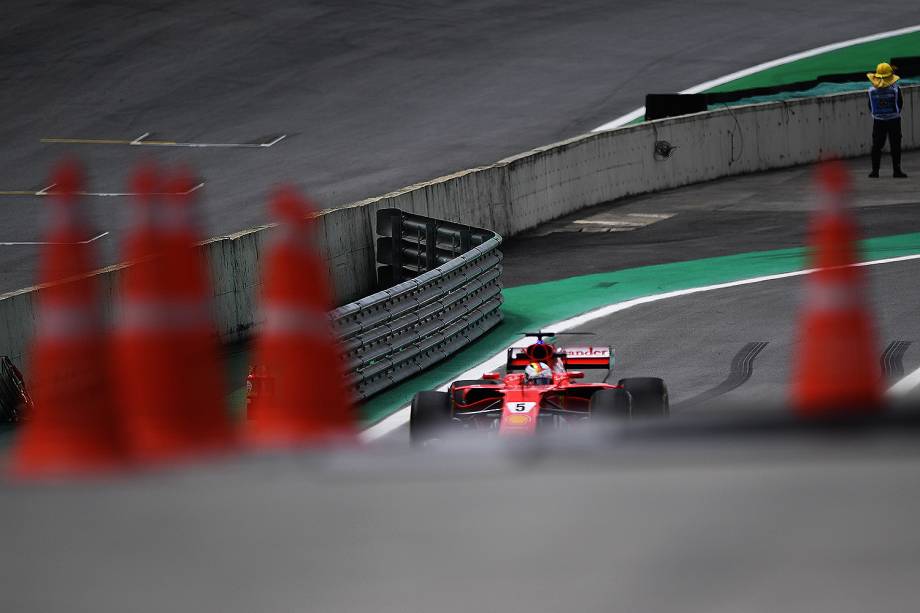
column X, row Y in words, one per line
column 519, row 407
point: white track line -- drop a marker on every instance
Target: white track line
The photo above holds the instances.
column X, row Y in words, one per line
column 696, row 89
column 401, row 417
column 141, row 141
column 905, row 385
column 193, row 189
column 212, row 145
column 86, row 242
column 122, row 194
column 127, row 194
column 45, row 192
column 274, row 142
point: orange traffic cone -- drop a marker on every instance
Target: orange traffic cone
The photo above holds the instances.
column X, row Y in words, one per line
column 308, row 399
column 189, row 281
column 72, row 427
column 168, row 370
column 836, row 370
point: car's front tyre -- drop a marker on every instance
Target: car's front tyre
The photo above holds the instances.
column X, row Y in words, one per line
column 430, row 415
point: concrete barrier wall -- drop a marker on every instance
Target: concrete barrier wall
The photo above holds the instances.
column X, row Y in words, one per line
column 525, row 190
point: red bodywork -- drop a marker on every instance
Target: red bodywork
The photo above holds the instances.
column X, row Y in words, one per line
column 258, row 383
column 514, row 406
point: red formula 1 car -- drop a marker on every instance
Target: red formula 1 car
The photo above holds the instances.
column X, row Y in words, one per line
column 540, row 390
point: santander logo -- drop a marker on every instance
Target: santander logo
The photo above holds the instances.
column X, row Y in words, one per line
column 587, row 352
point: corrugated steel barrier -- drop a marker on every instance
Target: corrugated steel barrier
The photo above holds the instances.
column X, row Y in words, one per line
column 398, row 332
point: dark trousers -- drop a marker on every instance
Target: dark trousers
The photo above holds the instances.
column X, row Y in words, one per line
column 891, row 130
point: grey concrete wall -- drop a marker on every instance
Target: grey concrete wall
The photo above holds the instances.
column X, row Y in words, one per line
column 520, row 192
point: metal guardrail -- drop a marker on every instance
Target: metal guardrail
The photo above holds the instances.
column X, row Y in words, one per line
column 14, row 398
column 400, row 331
column 411, row 244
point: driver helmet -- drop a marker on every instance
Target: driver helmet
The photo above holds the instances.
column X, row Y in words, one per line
column 538, row 373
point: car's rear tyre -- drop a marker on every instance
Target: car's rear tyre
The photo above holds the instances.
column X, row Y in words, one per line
column 429, row 416
column 649, row 396
column 610, row 404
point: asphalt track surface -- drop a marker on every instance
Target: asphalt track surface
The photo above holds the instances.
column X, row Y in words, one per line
column 371, row 96
column 698, row 342
column 732, row 349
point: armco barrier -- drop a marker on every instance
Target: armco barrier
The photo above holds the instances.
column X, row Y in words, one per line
column 409, row 245
column 520, row 192
column 396, row 333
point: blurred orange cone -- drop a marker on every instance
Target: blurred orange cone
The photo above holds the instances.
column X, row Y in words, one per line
column 73, row 425
column 169, row 380
column 190, row 283
column 309, row 399
column 836, row 370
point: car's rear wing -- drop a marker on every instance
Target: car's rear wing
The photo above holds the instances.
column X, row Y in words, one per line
column 583, row 358
column 573, row 358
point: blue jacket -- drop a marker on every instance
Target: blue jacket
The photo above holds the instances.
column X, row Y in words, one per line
column 886, row 102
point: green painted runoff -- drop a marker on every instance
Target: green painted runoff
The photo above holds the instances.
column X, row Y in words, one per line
column 862, row 57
